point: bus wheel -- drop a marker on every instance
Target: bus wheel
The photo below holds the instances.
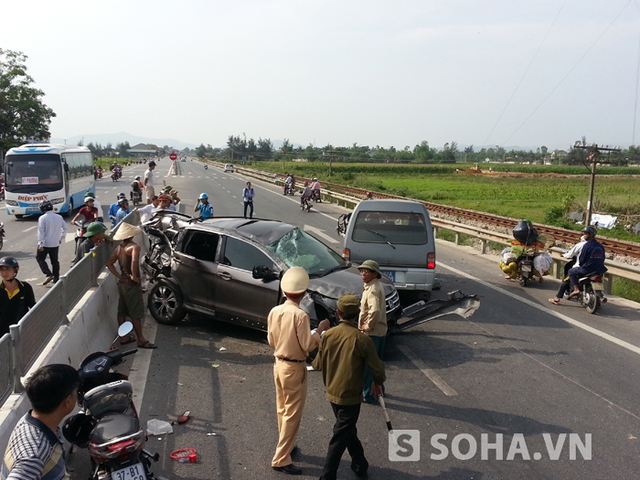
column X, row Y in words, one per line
column 19, row 216
column 66, row 214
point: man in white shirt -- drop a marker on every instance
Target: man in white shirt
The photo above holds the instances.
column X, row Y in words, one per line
column 147, row 212
column 148, row 182
column 51, row 232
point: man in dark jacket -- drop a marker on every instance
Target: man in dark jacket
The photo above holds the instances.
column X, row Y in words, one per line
column 591, row 259
column 344, row 352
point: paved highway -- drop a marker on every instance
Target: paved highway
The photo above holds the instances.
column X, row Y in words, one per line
column 522, row 390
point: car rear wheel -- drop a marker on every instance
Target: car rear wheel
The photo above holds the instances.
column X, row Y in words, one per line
column 165, row 304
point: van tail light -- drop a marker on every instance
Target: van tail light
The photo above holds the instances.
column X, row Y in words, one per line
column 431, row 261
column 346, row 254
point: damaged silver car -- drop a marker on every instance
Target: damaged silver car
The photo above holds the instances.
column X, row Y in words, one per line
column 230, row 269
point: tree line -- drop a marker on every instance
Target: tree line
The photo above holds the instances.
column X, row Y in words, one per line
column 239, row 147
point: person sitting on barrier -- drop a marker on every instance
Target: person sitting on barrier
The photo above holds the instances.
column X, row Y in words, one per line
column 35, row 449
column 591, row 259
column 16, row 297
column 93, row 236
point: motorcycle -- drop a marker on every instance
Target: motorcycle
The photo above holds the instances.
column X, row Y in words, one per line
column 99, row 172
column 525, row 270
column 136, row 197
column 315, row 196
column 108, row 424
column 591, row 295
column 1, row 235
column 305, row 203
column 115, row 175
column 288, row 189
column 206, row 167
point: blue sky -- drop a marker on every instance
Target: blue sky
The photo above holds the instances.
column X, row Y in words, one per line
column 483, row 72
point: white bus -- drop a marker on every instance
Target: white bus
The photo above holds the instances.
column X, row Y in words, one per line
column 40, row 171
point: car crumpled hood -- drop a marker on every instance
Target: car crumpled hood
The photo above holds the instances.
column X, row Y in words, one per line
column 344, row 281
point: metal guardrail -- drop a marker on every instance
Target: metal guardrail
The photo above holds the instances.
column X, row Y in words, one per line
column 29, row 337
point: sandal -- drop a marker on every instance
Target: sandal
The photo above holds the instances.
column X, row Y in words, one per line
column 555, row 301
column 147, row 344
column 573, row 294
column 127, row 339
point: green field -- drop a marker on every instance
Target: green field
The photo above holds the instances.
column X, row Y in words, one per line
column 541, row 198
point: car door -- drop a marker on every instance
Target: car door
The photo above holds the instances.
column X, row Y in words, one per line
column 195, row 268
column 237, row 293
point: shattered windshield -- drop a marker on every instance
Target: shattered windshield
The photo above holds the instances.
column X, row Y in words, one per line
column 299, row 249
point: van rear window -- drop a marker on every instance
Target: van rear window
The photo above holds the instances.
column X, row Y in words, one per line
column 390, row 227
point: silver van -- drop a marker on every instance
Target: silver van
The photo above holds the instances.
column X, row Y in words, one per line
column 399, row 236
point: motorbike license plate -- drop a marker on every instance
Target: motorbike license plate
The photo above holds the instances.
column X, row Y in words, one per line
column 132, row 472
column 596, row 285
column 526, row 267
column 390, row 274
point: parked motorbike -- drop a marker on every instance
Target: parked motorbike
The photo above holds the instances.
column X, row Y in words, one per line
column 525, row 272
column 1, row 235
column 108, row 424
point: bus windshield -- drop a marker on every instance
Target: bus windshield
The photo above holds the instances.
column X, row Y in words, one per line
column 37, row 173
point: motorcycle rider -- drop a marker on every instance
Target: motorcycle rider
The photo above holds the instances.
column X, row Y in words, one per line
column 573, row 254
column 306, row 194
column 16, row 297
column 203, row 205
column 591, row 259
column 287, row 184
column 136, row 188
column 315, row 188
column 89, row 213
column 96, row 203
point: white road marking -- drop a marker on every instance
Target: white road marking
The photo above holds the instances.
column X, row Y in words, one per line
column 70, row 236
column 569, row 320
column 428, row 372
column 30, row 228
column 320, row 233
column 141, row 362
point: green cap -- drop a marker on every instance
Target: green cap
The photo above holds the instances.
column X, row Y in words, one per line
column 349, row 304
column 95, row 228
column 371, row 265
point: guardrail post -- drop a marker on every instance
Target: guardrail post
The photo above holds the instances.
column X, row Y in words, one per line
column 607, row 283
column 483, row 246
column 95, row 271
column 457, row 240
column 16, row 356
column 65, row 300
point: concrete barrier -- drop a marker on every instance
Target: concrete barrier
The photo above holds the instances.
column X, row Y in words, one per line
column 92, row 328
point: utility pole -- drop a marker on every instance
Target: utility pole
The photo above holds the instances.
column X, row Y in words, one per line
column 594, row 152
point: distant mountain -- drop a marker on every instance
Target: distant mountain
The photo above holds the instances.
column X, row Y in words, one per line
column 121, row 137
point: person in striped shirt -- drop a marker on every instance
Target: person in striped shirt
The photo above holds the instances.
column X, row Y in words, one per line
column 35, row 450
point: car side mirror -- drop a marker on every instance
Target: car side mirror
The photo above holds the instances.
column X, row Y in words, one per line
column 265, row 273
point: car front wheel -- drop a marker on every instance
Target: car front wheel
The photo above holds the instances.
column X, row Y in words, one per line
column 165, row 303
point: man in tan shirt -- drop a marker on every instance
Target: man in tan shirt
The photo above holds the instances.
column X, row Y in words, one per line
column 289, row 332
column 373, row 317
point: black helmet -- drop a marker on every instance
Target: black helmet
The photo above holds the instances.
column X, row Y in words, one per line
column 77, row 429
column 122, row 195
column 123, row 200
column 46, row 206
column 152, row 163
column 10, row 262
column 590, row 230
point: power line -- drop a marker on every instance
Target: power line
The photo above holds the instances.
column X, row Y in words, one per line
column 568, row 73
column 525, row 73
